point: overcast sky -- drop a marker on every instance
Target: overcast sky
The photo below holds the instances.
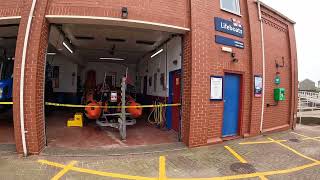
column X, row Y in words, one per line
column 306, row 14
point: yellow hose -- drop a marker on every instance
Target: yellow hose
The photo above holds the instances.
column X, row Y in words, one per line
column 158, row 117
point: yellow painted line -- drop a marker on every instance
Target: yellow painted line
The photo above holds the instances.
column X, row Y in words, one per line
column 235, row 154
column 99, row 173
column 162, row 168
column 52, row 163
column 258, row 174
column 64, row 170
column 240, row 176
column 6, row 103
column 310, row 138
column 263, row 177
column 261, row 142
column 294, row 151
column 307, row 137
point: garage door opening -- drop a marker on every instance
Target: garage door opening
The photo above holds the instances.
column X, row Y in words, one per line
column 8, row 38
column 94, row 65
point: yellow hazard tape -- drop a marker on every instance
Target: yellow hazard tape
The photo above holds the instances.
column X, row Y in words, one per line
column 6, row 103
column 110, row 107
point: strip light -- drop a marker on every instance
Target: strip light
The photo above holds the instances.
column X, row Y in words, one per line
column 51, row 54
column 114, row 59
column 158, row 52
column 67, row 47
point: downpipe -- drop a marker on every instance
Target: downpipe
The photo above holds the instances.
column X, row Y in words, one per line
column 263, row 66
column 22, row 74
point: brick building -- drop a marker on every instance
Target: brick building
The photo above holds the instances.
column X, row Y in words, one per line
column 230, row 61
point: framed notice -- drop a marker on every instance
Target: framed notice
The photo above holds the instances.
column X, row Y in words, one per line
column 216, row 88
column 258, row 86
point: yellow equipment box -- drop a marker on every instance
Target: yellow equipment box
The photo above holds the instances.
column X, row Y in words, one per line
column 77, row 121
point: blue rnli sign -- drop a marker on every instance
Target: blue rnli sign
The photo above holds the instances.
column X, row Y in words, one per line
column 229, row 27
column 229, row 42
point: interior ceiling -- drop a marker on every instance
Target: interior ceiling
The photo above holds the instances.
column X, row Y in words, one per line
column 94, row 41
column 8, row 37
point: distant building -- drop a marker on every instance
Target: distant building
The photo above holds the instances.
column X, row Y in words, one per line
column 307, row 85
column 318, row 84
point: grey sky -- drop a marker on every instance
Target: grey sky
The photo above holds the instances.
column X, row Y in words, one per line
column 306, row 14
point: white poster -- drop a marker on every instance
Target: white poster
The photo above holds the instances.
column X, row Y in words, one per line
column 216, row 88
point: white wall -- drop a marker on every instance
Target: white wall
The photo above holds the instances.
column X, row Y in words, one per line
column 66, row 69
column 158, row 65
column 105, row 67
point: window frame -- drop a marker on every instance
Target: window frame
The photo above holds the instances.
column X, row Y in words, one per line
column 230, row 11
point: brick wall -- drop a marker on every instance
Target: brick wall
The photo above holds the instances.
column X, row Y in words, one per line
column 10, row 8
column 160, row 11
column 34, row 78
column 202, row 57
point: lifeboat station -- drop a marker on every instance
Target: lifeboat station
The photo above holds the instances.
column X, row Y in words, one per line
column 110, row 74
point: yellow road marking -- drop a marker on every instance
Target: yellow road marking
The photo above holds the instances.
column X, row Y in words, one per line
column 99, row 173
column 241, row 159
column 235, row 154
column 294, row 151
column 310, row 138
column 240, row 176
column 64, row 170
column 260, row 142
column 263, row 177
column 307, row 137
column 162, row 168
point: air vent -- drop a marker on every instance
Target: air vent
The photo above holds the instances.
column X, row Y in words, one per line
column 150, row 43
column 115, row 40
column 84, row 38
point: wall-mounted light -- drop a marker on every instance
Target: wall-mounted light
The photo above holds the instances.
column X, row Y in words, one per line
column 51, row 54
column 156, row 53
column 124, row 13
column 234, row 59
column 67, row 45
column 113, row 59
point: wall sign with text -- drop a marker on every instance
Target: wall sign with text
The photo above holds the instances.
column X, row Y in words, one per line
column 229, row 27
column 229, row 42
column 216, row 88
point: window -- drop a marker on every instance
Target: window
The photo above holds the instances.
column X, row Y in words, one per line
column 232, row 6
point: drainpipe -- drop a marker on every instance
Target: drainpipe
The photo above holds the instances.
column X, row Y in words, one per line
column 263, row 66
column 22, row 73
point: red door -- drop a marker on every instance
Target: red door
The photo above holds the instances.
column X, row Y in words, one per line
column 176, row 100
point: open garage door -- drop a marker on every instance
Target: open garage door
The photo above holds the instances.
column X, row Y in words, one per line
column 104, row 68
column 8, row 38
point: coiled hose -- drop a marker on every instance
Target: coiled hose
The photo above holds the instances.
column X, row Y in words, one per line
column 158, row 115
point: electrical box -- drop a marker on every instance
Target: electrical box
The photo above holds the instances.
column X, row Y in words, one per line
column 279, row 94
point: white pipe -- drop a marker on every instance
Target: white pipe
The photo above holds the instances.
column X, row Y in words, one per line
column 263, row 66
column 22, row 73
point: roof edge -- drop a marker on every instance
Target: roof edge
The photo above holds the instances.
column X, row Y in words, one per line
column 275, row 11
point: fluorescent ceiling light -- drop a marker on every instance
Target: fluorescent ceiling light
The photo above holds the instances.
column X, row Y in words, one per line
column 51, row 54
column 114, row 59
column 67, row 47
column 158, row 52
